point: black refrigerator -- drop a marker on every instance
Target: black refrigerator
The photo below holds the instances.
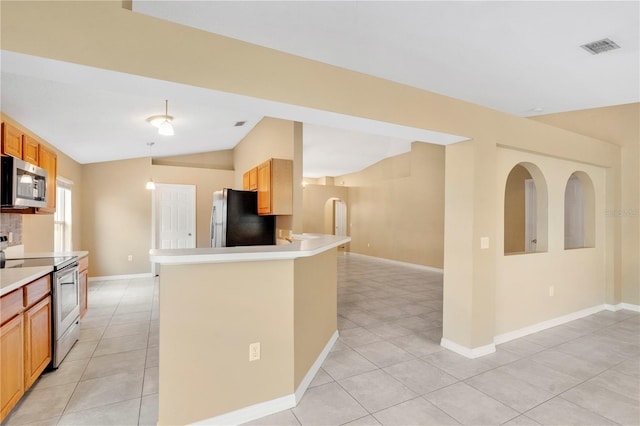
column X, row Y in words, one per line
column 235, row 220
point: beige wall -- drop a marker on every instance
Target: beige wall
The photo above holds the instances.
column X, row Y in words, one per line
column 514, row 210
column 577, row 275
column 37, row 230
column 205, row 334
column 314, row 199
column 288, row 306
column 315, row 306
column 219, row 160
column 621, row 126
column 206, row 182
column 396, row 207
column 116, row 211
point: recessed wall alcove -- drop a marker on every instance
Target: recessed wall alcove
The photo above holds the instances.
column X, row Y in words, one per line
column 579, row 212
column 525, row 210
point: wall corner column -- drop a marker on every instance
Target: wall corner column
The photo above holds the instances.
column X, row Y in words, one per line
column 469, row 270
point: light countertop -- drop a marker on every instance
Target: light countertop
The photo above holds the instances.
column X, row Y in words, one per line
column 13, row 278
column 303, row 245
column 31, row 255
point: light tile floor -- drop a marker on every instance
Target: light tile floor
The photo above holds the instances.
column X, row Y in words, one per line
column 387, row 367
column 110, row 377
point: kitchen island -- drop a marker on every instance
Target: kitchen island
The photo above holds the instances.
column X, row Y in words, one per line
column 216, row 302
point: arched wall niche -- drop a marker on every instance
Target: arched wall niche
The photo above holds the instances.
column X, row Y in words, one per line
column 526, row 209
column 579, row 212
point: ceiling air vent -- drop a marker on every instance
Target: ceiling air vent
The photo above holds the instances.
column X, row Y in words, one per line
column 239, row 123
column 600, row 46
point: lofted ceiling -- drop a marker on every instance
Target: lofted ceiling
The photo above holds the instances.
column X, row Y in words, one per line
column 519, row 57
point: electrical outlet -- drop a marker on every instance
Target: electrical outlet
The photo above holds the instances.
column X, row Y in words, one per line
column 10, row 237
column 130, row 258
column 551, row 291
column 254, row 351
column 484, row 243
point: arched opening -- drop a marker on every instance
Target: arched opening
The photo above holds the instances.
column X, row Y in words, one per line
column 525, row 210
column 335, row 217
column 579, row 212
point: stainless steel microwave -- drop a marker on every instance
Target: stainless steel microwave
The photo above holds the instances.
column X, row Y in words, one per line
column 22, row 184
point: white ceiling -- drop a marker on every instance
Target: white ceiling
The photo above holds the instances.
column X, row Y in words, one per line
column 511, row 56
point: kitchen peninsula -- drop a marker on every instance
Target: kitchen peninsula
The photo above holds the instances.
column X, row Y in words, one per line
column 221, row 307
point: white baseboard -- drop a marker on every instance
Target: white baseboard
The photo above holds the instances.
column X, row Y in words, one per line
column 273, row 406
column 621, row 306
column 251, row 412
column 397, row 262
column 468, row 352
column 121, row 277
column 308, row 378
column 525, row 331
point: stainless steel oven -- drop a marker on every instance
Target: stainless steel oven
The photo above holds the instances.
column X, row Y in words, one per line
column 65, row 300
column 66, row 310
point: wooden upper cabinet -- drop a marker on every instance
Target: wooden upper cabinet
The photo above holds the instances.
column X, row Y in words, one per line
column 48, row 160
column 264, row 188
column 250, row 180
column 245, row 181
column 11, row 141
column 253, row 179
column 275, row 187
column 30, row 150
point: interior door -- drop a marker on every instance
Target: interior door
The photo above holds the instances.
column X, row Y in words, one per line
column 339, row 217
column 174, row 216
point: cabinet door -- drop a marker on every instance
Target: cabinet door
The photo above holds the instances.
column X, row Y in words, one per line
column 37, row 340
column 264, row 188
column 82, row 278
column 253, row 179
column 245, row 181
column 11, row 364
column 30, row 148
column 11, row 140
column 48, row 160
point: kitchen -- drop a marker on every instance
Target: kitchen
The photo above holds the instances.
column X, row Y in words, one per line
column 115, row 203
column 261, row 130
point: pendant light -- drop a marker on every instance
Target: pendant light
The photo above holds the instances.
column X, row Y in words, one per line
column 163, row 121
column 150, row 185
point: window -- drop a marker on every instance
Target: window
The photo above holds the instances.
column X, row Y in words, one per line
column 62, row 217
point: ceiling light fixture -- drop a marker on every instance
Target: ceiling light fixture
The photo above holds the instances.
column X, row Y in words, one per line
column 150, row 185
column 163, row 121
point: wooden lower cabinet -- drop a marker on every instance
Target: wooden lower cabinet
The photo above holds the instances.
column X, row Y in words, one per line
column 25, row 340
column 37, row 341
column 11, row 364
column 83, row 279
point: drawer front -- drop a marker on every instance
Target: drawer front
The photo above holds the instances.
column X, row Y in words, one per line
column 83, row 263
column 11, row 305
column 36, row 290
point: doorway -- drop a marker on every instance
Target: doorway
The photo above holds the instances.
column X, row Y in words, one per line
column 173, row 217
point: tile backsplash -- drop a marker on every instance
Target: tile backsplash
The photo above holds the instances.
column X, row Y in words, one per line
column 11, row 222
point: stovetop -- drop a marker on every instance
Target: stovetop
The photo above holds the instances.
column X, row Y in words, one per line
column 58, row 262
